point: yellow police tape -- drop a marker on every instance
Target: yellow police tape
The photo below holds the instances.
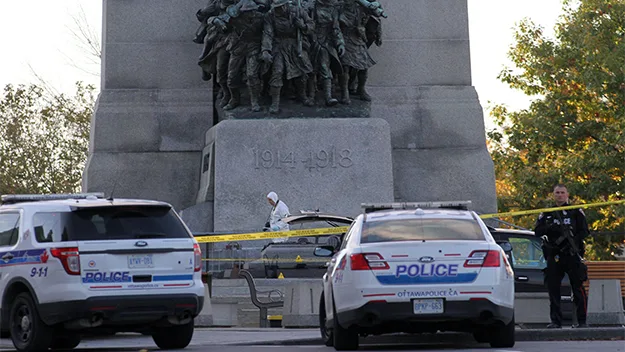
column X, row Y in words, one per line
column 537, row 211
column 341, row 229
column 277, row 234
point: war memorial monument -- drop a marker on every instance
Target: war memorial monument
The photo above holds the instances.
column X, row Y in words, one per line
column 211, row 104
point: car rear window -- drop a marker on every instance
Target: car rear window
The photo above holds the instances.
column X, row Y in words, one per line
column 108, row 223
column 421, row 229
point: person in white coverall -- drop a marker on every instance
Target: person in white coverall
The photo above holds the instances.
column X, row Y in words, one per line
column 279, row 211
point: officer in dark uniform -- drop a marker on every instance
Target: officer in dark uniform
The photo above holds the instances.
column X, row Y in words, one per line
column 563, row 233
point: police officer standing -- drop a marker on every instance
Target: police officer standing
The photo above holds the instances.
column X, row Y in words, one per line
column 563, row 233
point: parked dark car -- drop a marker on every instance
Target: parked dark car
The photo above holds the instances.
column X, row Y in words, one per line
column 295, row 258
column 528, row 262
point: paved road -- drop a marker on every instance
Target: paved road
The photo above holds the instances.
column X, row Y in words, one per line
column 526, row 346
column 255, row 340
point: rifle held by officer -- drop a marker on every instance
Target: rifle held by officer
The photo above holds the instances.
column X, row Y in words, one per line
column 567, row 235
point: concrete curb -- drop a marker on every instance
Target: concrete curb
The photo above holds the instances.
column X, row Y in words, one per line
column 616, row 333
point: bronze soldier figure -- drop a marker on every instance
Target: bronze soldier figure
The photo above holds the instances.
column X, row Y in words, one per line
column 202, row 35
column 245, row 20
column 311, row 89
column 285, row 44
column 215, row 57
column 328, row 46
column 360, row 25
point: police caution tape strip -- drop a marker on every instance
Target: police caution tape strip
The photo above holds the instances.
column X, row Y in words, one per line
column 341, row 229
column 543, row 210
column 268, row 235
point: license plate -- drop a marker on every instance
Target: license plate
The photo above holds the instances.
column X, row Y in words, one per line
column 140, row 261
column 428, row 306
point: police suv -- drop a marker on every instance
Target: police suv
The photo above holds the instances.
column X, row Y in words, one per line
column 72, row 264
column 417, row 267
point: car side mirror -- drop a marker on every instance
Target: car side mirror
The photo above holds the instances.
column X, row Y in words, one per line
column 324, row 251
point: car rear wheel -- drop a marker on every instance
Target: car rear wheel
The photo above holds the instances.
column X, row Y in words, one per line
column 503, row 335
column 326, row 334
column 28, row 332
column 173, row 337
column 344, row 339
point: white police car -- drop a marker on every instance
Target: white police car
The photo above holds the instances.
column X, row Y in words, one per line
column 417, row 267
column 79, row 263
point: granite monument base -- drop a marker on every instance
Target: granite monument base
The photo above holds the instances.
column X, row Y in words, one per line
column 330, row 165
column 439, row 144
column 147, row 143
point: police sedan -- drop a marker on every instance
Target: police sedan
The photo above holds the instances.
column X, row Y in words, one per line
column 417, row 267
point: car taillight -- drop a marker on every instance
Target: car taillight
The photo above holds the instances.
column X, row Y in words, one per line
column 483, row 259
column 197, row 257
column 368, row 261
column 69, row 257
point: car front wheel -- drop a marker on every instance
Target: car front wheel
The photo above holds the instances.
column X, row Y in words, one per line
column 173, row 337
column 28, row 332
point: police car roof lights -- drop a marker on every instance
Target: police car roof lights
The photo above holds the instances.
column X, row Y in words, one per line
column 19, row 198
column 460, row 205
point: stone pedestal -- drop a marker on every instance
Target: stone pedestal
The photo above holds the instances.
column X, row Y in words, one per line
column 332, row 165
column 148, row 132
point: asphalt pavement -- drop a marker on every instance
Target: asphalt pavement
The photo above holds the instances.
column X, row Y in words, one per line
column 261, row 340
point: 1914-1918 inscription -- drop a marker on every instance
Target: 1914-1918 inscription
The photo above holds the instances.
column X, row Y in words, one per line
column 311, row 159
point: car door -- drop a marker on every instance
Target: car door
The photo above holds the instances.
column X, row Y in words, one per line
column 11, row 261
column 528, row 263
column 334, row 271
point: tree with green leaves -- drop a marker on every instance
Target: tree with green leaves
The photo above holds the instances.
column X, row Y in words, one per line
column 572, row 132
column 44, row 139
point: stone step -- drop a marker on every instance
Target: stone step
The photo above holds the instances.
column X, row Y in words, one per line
column 259, row 282
column 238, row 311
column 245, row 291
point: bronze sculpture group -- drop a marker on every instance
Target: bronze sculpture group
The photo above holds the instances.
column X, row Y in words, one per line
column 300, row 45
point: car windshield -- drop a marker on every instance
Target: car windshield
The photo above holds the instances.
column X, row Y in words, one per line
column 421, row 230
column 108, row 223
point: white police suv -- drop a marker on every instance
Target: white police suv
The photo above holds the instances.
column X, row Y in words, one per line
column 71, row 264
column 417, row 267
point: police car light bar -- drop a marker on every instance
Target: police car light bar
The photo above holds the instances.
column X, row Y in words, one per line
column 19, row 198
column 461, row 205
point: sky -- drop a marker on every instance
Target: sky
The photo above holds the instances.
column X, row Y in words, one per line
column 36, row 39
